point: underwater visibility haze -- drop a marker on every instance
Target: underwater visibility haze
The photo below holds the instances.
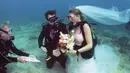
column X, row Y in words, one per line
column 110, row 16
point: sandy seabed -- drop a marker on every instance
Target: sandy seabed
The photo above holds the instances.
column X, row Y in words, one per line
column 108, row 58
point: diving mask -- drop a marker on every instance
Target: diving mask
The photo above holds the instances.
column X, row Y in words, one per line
column 10, row 31
column 73, row 17
column 53, row 19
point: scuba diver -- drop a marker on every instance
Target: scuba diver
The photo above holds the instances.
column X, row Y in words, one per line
column 7, row 46
column 51, row 32
column 85, row 42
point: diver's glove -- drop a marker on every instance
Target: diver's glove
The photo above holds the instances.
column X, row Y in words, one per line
column 56, row 52
column 44, row 49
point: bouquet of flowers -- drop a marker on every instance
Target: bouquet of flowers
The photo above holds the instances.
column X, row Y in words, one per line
column 65, row 41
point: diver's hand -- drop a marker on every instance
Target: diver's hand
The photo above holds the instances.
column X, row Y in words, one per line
column 21, row 59
column 71, row 51
column 56, row 52
column 44, row 49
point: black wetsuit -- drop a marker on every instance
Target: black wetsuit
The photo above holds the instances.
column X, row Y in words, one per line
column 7, row 47
column 51, row 35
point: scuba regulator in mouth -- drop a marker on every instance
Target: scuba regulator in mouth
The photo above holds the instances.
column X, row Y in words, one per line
column 12, row 38
column 10, row 33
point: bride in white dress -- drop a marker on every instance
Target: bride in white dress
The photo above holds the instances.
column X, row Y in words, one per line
column 81, row 55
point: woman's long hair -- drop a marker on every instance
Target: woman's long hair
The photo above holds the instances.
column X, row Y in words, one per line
column 77, row 12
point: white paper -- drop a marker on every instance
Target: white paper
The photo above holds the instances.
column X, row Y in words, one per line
column 31, row 59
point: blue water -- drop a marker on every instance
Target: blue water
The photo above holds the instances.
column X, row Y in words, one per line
column 25, row 11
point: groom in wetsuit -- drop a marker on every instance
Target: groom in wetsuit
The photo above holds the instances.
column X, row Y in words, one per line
column 51, row 31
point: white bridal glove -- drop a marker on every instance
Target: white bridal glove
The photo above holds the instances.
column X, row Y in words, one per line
column 44, row 49
column 56, row 52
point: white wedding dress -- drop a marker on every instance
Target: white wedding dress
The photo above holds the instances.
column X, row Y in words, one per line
column 77, row 64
